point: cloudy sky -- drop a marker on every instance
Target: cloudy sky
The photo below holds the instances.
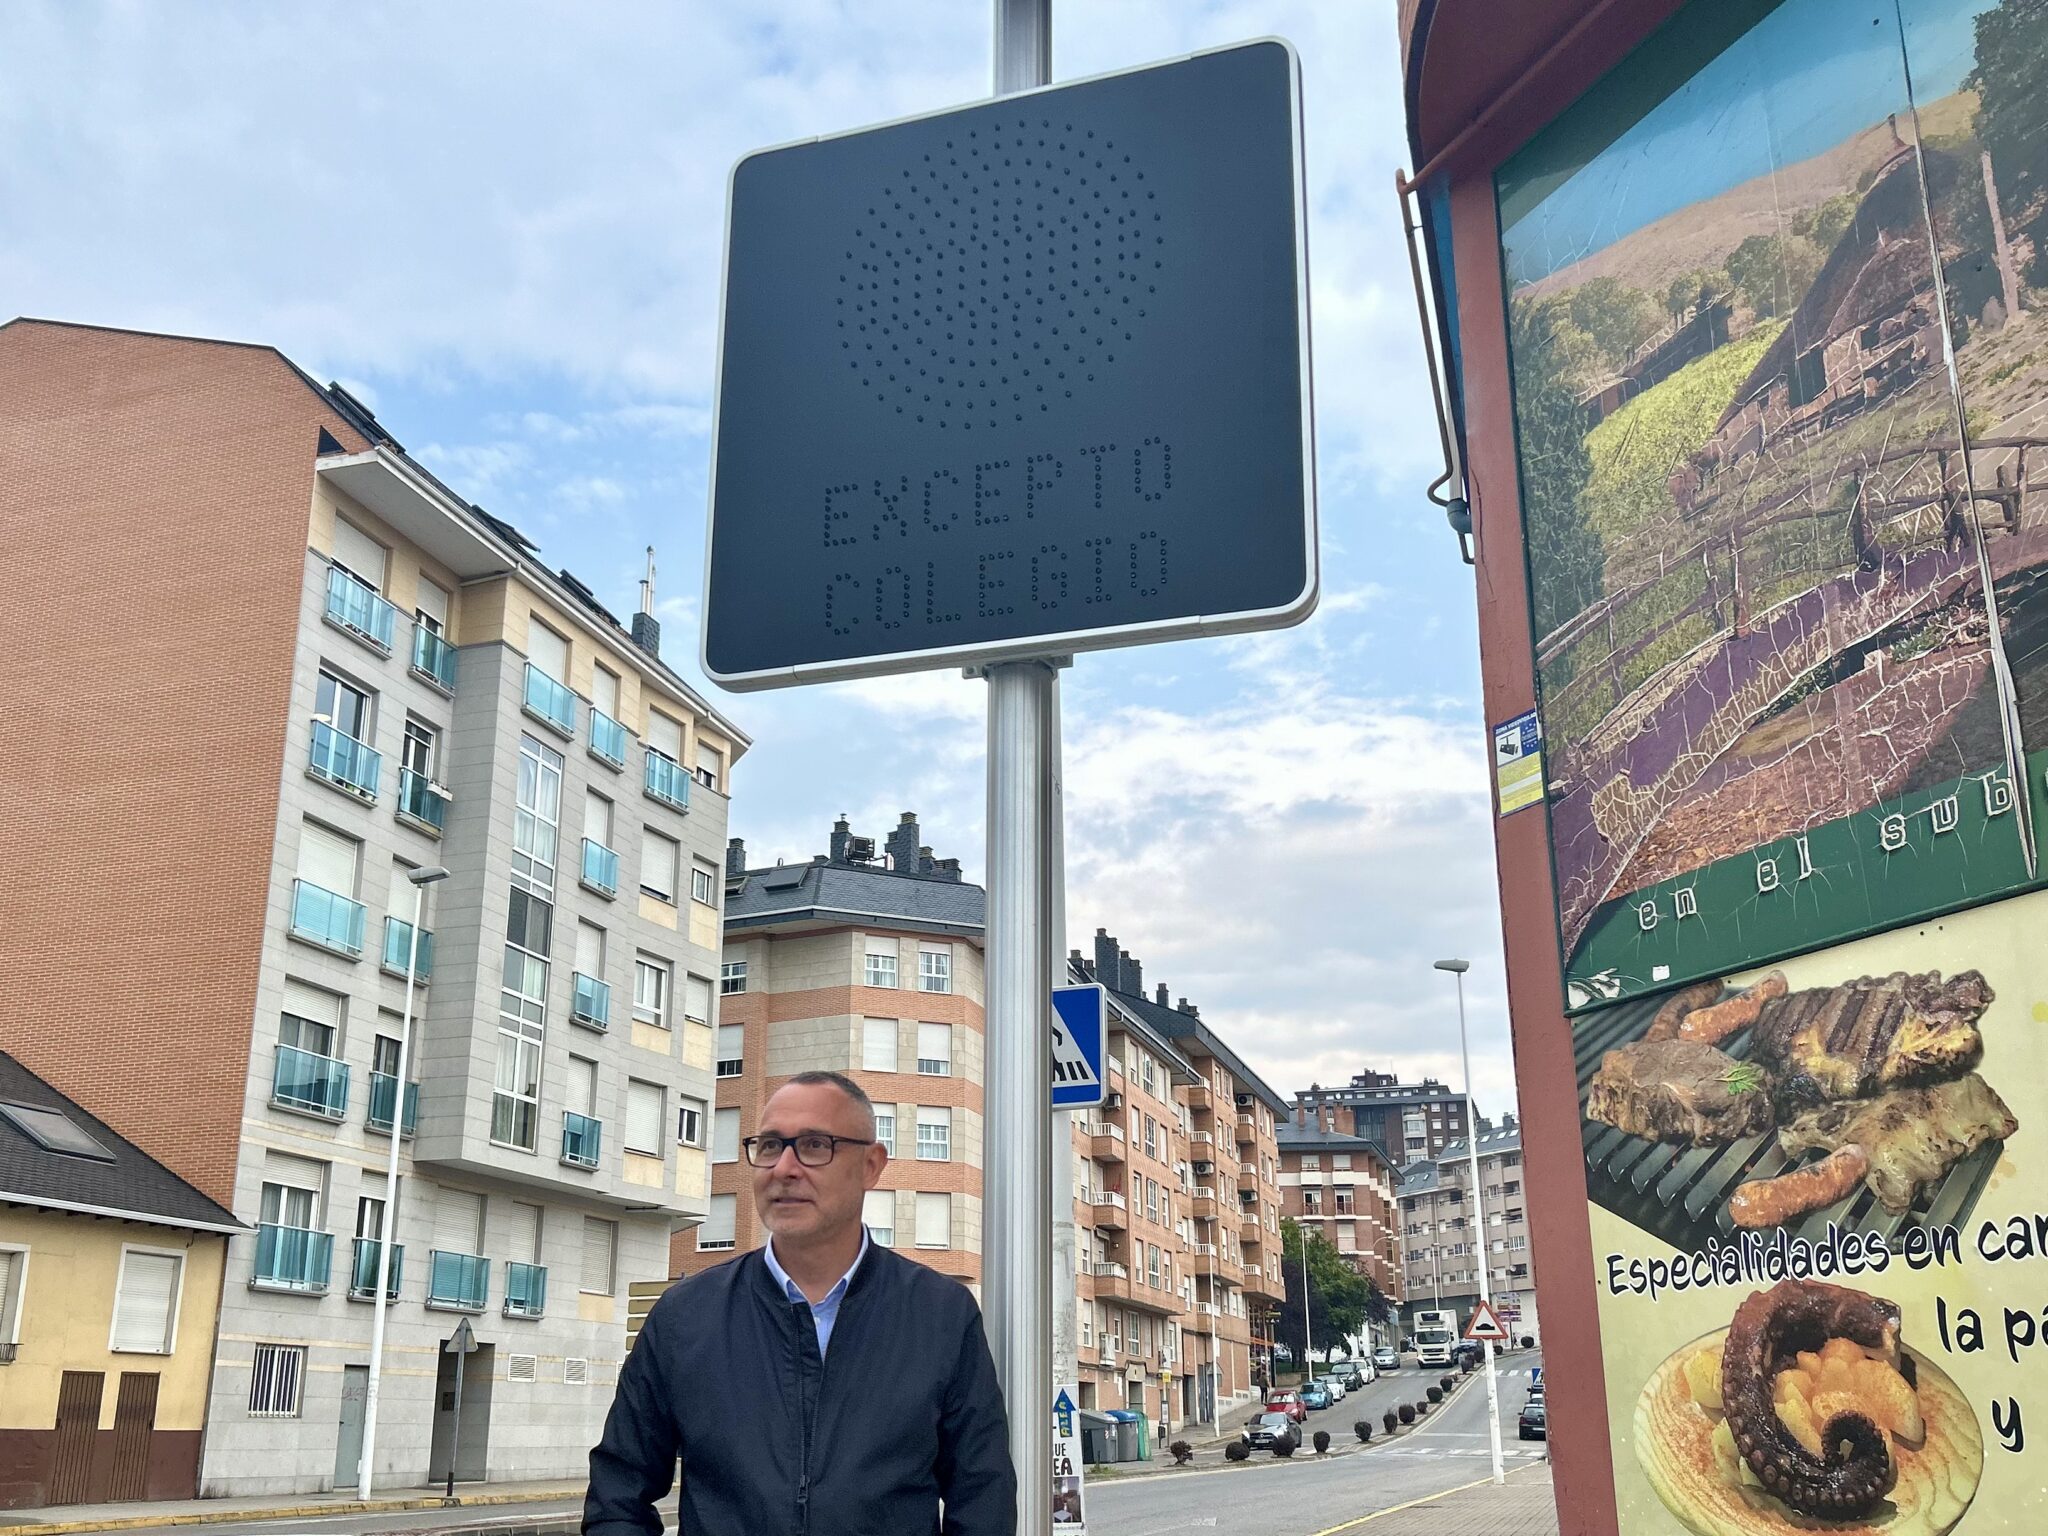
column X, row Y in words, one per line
column 500, row 223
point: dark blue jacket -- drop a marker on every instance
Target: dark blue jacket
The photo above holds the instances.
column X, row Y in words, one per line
column 902, row 1416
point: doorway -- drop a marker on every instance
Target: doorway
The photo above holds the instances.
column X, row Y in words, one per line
column 348, row 1446
column 472, row 1455
column 134, row 1429
column 78, row 1426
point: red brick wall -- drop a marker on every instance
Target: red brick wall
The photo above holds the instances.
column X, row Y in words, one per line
column 154, row 502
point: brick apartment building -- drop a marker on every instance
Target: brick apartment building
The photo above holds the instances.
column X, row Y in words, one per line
column 1443, row 1240
column 1343, row 1187
column 1409, row 1120
column 263, row 668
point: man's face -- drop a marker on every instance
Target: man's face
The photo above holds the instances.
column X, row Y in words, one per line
column 809, row 1204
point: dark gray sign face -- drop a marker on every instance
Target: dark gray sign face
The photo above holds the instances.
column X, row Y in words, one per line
column 1022, row 378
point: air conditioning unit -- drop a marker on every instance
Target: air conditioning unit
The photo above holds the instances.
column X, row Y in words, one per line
column 1112, row 1101
column 1202, row 1168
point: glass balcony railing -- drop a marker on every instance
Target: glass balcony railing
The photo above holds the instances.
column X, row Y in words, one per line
column 382, row 1087
column 666, row 781
column 458, row 1281
column 302, row 1080
column 292, row 1259
column 591, row 1002
column 421, row 799
column 362, row 1274
column 526, row 1290
column 356, row 607
column 398, row 949
column 327, row 918
column 582, row 1140
column 600, row 868
column 549, row 701
column 433, row 658
column 344, row 762
column 607, row 738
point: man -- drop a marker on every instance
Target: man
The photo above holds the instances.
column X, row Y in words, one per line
column 821, row 1386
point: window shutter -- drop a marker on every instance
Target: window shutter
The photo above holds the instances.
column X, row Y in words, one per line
column 327, row 859
column 458, row 1221
column 598, row 1238
column 934, row 1220
column 935, row 1043
column 878, row 1214
column 657, row 862
column 697, row 999
column 590, row 950
column 878, row 1045
column 548, row 651
column 644, row 1118
column 664, row 735
column 359, row 552
column 583, row 1085
column 710, row 760
column 731, row 1042
column 718, row 1221
column 142, row 1310
column 597, row 818
column 10, row 1270
column 525, row 1247
column 725, row 1136
column 432, row 601
column 604, row 691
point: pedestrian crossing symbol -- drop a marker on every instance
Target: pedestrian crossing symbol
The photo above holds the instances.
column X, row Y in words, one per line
column 1486, row 1324
column 1079, row 1016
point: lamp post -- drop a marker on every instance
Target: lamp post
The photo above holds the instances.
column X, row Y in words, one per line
column 1458, row 968
column 387, row 1226
column 1308, row 1344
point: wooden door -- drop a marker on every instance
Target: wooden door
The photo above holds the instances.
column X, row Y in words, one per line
column 78, row 1426
column 134, row 1428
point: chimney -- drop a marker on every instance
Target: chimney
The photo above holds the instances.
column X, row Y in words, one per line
column 1076, row 966
column 1161, row 998
column 736, row 856
column 1190, row 1009
column 1301, row 1111
column 842, row 835
column 947, row 869
column 925, row 862
column 1132, row 973
column 1107, row 968
column 903, row 844
column 646, row 628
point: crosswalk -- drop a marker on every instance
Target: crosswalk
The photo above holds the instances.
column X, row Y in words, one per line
column 1510, row 1449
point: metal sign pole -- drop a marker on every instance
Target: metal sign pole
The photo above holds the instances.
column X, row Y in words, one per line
column 1479, row 1209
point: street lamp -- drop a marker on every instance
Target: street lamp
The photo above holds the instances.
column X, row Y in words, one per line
column 387, row 1227
column 1458, row 968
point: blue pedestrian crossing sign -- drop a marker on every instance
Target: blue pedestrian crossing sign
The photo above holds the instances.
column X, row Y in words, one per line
column 1080, row 1020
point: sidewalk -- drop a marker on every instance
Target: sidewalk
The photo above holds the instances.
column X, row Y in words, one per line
column 296, row 1506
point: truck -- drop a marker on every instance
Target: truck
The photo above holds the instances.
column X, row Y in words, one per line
column 1436, row 1335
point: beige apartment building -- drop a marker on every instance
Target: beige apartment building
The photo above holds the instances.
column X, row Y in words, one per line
column 1444, row 1241
column 1343, row 1187
column 297, row 669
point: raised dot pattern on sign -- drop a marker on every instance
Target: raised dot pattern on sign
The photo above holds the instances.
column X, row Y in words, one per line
column 998, row 275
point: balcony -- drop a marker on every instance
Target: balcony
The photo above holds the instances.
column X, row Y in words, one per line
column 1204, row 1203
column 1200, row 1140
column 1108, row 1209
column 1106, row 1142
column 355, row 607
column 600, row 869
column 457, row 1282
column 292, row 1259
column 433, row 658
column 362, row 1274
column 526, row 1290
column 309, row 1083
column 1200, row 1097
column 398, row 950
column 421, row 801
column 582, row 1140
column 344, row 762
column 607, row 739
column 1247, row 1130
column 1202, row 1250
column 1249, row 1233
column 327, row 918
column 666, row 782
column 591, row 1002
column 1247, row 1176
column 383, row 1087
column 550, row 702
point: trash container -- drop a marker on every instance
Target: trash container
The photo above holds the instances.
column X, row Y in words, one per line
column 1096, row 1447
column 1127, row 1432
column 1144, row 1438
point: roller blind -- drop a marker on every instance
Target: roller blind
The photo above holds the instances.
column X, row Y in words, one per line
column 458, row 1221
column 878, row 1045
column 548, row 651
column 697, row 999
column 142, row 1309
column 327, row 859
column 590, row 950
column 644, row 1118
column 604, row 691
column 359, row 552
column 664, row 735
column 599, row 1237
column 934, row 1220
column 432, row 601
column 311, row 1003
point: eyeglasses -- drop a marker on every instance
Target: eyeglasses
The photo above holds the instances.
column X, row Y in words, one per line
column 814, row 1149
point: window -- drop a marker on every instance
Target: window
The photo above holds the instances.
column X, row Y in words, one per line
column 885, row 1129
column 1152, row 1264
column 1340, row 1160
column 537, row 813
column 291, row 1196
column 650, row 991
column 732, row 977
column 13, row 1281
column 275, row 1377
column 1311, row 1202
column 604, row 690
column 731, row 1050
column 934, row 1135
column 878, row 1045
column 1147, row 1075
column 878, row 1214
column 690, row 1123
column 328, row 860
column 360, row 554
column 1310, row 1162
column 660, row 859
column 935, row 1050
column 547, row 651
column 343, row 706
column 710, row 765
column 703, row 883
column 146, row 1302
column 716, row 1235
column 416, row 752
column 697, row 999
column 1151, row 1137
column 430, row 607
column 590, row 950
column 881, row 963
column 597, row 818
column 311, row 1019
column 934, row 1220
column 600, row 1244
column 644, row 1117
column 665, row 735
column 934, row 969
column 725, row 1136
column 522, row 1019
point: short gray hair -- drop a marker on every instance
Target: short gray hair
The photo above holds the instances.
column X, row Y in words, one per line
column 845, row 1085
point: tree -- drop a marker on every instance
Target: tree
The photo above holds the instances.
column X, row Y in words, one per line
column 2011, row 82
column 1566, row 562
column 1773, row 272
column 1617, row 317
column 1826, row 223
column 1338, row 1296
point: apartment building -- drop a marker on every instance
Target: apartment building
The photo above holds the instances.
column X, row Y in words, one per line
column 1411, row 1120
column 866, row 961
column 297, row 671
column 1343, row 1187
column 1444, row 1240
column 1212, row 1136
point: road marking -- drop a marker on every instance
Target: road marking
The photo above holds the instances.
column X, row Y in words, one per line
column 1352, row 1525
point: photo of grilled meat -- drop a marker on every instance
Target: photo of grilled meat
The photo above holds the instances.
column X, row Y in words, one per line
column 1680, row 1090
column 1912, row 1136
column 1871, row 1034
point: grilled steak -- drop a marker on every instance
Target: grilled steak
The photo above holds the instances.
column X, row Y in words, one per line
column 1871, row 1034
column 1679, row 1090
column 1912, row 1136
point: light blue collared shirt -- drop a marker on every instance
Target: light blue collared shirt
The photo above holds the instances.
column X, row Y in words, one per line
column 824, row 1314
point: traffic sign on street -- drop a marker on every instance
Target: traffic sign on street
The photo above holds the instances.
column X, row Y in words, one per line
column 1486, row 1324
column 1018, row 379
column 1069, row 1466
column 1082, row 1015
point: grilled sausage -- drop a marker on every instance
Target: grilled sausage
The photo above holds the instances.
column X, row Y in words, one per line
column 1773, row 1202
column 1678, row 1005
column 1710, row 1026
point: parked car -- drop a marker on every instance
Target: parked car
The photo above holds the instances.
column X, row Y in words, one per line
column 1267, row 1428
column 1288, row 1401
column 1536, row 1389
column 1332, row 1384
column 1534, row 1425
column 1355, row 1374
column 1315, row 1395
column 1387, row 1359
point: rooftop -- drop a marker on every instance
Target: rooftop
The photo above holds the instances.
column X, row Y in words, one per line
column 903, row 886
column 1306, row 1138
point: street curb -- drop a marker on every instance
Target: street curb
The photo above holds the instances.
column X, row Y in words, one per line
column 298, row 1511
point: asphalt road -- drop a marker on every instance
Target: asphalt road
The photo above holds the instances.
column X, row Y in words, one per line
column 1265, row 1497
